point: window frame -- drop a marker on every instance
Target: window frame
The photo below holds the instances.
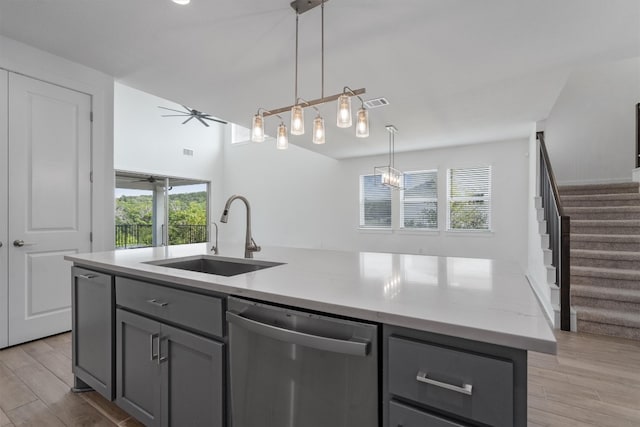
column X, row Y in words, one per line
column 419, row 200
column 488, row 198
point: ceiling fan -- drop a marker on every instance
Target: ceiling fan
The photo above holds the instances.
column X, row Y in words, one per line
column 190, row 113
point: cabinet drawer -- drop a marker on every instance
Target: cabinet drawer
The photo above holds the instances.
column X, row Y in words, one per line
column 472, row 386
column 405, row 416
column 195, row 311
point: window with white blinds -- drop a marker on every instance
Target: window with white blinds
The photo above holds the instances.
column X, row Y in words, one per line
column 375, row 203
column 419, row 200
column 469, row 198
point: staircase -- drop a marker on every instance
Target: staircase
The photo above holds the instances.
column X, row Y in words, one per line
column 605, row 257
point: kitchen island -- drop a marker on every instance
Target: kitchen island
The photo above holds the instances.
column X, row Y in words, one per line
column 478, row 313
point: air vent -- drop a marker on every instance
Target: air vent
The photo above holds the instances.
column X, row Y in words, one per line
column 376, row 102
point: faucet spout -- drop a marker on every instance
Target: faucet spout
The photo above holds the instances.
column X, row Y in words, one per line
column 214, row 248
column 250, row 245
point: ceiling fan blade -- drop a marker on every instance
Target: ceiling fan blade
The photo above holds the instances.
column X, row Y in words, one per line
column 177, row 111
column 215, row 120
column 190, row 117
column 201, row 121
column 190, row 110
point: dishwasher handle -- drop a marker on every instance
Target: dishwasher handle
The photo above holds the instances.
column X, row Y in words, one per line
column 350, row 347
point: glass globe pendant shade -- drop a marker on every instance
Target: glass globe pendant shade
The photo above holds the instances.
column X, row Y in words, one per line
column 282, row 140
column 344, row 111
column 257, row 128
column 297, row 120
column 362, row 123
column 318, row 130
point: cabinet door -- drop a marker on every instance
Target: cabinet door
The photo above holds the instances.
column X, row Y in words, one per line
column 192, row 379
column 138, row 366
column 92, row 320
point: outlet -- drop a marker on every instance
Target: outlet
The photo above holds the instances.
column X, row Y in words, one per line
column 187, row 152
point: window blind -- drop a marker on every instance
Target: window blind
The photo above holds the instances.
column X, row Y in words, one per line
column 375, row 203
column 469, row 198
column 419, row 207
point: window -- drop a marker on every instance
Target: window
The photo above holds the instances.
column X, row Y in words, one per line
column 375, row 203
column 469, row 198
column 419, row 200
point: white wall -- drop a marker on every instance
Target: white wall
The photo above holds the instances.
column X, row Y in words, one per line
column 18, row 57
column 149, row 143
column 590, row 132
column 303, row 199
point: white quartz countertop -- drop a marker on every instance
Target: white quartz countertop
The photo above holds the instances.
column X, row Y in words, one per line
column 478, row 299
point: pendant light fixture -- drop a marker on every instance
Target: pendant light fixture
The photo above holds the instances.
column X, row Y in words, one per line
column 344, row 118
column 389, row 175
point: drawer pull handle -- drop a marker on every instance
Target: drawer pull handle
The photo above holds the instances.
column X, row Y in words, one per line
column 87, row 276
column 152, row 338
column 465, row 389
column 158, row 303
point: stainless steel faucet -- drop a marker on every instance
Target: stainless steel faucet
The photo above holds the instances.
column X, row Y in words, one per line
column 214, row 248
column 249, row 245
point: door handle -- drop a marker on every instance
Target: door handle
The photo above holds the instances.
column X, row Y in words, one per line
column 0, row 244
column 18, row 243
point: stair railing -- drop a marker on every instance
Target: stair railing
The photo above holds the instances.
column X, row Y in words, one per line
column 638, row 135
column 558, row 228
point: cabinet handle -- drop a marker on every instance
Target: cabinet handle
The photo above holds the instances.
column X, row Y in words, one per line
column 152, row 337
column 160, row 357
column 87, row 276
column 465, row 389
column 158, row 303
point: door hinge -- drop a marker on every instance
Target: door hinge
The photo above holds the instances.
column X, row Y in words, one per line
column 91, row 236
column 91, row 116
column 91, row 176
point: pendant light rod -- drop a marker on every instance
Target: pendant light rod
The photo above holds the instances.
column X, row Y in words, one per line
column 296, row 85
column 322, row 49
column 313, row 102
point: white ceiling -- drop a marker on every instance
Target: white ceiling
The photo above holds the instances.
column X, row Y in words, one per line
column 454, row 71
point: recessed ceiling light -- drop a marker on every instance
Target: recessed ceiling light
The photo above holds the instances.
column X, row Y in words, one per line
column 181, row 2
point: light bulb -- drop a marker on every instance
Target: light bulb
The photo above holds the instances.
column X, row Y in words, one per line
column 181, row 2
column 257, row 128
column 297, row 120
column 318, row 130
column 362, row 123
column 282, row 141
column 344, row 111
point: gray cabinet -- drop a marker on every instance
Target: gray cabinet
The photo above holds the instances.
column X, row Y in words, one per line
column 437, row 380
column 138, row 366
column 167, row 375
column 92, row 326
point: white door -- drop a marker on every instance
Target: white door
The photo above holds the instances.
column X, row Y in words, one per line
column 49, row 203
column 4, row 188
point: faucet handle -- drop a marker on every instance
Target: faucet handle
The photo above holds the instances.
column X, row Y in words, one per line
column 254, row 247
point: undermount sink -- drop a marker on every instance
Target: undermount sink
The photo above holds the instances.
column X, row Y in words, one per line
column 216, row 265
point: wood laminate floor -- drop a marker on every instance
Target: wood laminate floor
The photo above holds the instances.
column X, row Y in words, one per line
column 592, row 381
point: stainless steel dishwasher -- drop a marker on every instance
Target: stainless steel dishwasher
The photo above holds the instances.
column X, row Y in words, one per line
column 294, row 369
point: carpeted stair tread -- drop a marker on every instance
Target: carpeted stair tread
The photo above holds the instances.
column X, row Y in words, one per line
column 607, row 222
column 604, row 197
column 613, row 294
column 617, row 238
column 603, row 315
column 623, row 187
column 600, row 209
column 609, row 273
column 598, row 254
